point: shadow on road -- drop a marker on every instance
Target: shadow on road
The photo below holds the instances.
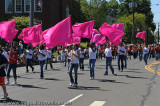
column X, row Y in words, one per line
column 87, row 88
column 52, row 79
column 111, row 81
column 30, row 86
column 134, row 71
column 128, row 76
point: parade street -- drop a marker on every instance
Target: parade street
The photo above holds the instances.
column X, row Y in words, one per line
column 138, row 85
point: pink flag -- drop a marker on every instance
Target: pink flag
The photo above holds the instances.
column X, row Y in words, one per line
column 97, row 38
column 83, row 30
column 8, row 31
column 113, row 34
column 116, row 43
column 76, row 40
column 31, row 34
column 141, row 35
column 119, row 26
column 10, row 39
column 58, row 34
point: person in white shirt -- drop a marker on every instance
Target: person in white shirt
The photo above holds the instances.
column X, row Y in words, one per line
column 63, row 56
column 92, row 59
column 74, row 57
column 48, row 58
column 145, row 52
column 29, row 54
column 108, row 54
column 121, row 52
column 41, row 57
column 6, row 54
column 68, row 54
column 81, row 60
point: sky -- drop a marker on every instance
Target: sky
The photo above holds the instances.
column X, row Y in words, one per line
column 156, row 11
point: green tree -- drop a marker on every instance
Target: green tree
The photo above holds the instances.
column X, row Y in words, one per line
column 139, row 24
column 21, row 23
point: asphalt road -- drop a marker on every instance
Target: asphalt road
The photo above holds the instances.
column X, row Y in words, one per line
column 136, row 86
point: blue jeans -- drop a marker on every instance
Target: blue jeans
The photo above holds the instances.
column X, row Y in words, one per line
column 13, row 67
column 120, row 58
column 100, row 56
column 140, row 56
column 41, row 62
column 109, row 62
column 6, row 67
column 28, row 63
column 81, row 63
column 145, row 58
column 125, row 61
column 157, row 56
column 69, row 64
column 91, row 66
column 75, row 66
column 50, row 62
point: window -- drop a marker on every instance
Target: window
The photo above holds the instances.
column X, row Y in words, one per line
column 8, row 6
column 18, row 6
column 26, row 5
column 37, row 8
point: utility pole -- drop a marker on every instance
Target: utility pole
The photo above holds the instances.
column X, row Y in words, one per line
column 158, row 34
column 31, row 13
column 133, row 5
column 147, row 33
column 133, row 23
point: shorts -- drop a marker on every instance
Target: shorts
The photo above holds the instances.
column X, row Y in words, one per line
column 2, row 81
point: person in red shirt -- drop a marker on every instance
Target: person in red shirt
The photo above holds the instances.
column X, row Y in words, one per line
column 13, row 57
column 140, row 52
column 156, row 49
column 129, row 51
column 100, row 52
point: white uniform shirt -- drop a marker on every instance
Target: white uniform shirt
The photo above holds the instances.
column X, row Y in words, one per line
column 146, row 50
column 122, row 49
column 29, row 52
column 6, row 54
column 74, row 59
column 92, row 55
column 49, row 53
column 108, row 52
column 40, row 57
column 81, row 54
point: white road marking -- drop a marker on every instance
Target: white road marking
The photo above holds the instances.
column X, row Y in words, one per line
column 98, row 103
column 73, row 99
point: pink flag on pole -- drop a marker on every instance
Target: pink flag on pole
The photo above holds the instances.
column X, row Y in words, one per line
column 31, row 34
column 83, row 30
column 76, row 40
column 10, row 39
column 8, row 31
column 113, row 34
column 58, row 34
column 97, row 38
column 141, row 35
column 119, row 26
column 116, row 43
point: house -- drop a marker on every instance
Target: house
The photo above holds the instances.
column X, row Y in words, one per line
column 52, row 11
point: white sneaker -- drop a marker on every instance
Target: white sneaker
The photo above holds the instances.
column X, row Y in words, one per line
column 7, row 83
column 71, row 84
column 14, row 83
column 4, row 96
